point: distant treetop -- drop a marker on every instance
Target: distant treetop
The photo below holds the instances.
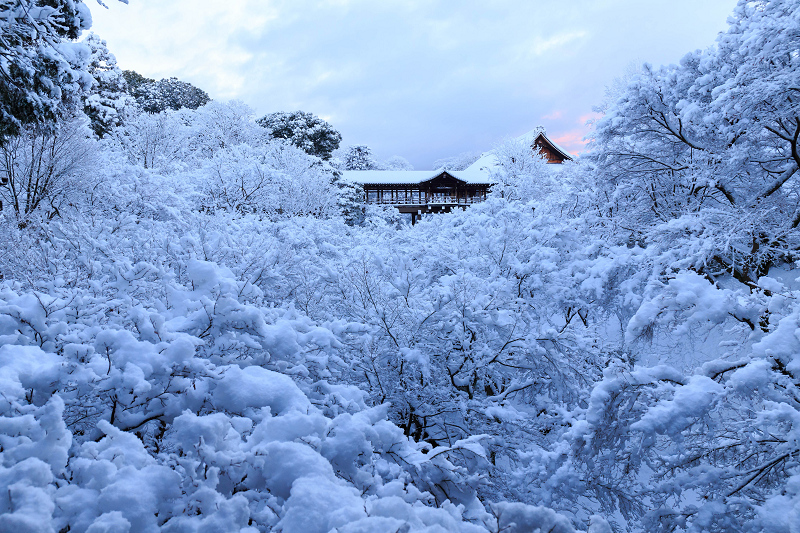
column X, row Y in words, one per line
column 134, row 79
column 359, row 157
column 167, row 93
column 303, row 130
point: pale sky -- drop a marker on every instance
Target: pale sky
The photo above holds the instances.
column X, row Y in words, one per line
column 421, row 79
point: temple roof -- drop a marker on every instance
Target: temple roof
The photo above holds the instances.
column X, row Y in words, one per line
column 488, row 162
column 413, row 177
column 544, row 139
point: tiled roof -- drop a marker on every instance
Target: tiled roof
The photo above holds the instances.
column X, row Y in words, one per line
column 412, row 177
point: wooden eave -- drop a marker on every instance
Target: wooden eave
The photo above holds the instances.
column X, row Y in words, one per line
column 542, row 139
column 445, row 174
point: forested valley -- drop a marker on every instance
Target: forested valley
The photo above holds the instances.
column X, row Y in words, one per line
column 203, row 328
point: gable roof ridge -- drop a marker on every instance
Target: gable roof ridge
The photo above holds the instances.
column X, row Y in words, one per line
column 441, row 172
column 553, row 144
column 413, row 177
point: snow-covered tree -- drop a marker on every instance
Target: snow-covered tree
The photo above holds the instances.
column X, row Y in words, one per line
column 108, row 100
column 220, row 125
column 133, row 80
column 41, row 167
column 43, row 69
column 521, row 174
column 695, row 170
column 187, row 136
column 156, row 140
column 707, row 449
column 275, row 180
column 397, row 162
column 169, row 93
column 710, row 146
column 303, row 130
column 351, row 201
column 457, row 162
column 359, row 157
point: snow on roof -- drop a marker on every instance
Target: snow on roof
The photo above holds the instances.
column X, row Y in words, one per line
column 487, row 162
column 412, row 177
column 531, row 135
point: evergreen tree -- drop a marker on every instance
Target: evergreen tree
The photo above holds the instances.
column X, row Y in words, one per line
column 42, row 69
column 108, row 98
column 359, row 157
column 351, row 201
column 134, row 80
column 169, row 93
column 305, row 131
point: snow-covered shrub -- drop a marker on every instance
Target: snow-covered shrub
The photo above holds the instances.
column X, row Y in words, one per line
column 274, row 179
column 147, row 386
column 153, row 141
column 220, row 125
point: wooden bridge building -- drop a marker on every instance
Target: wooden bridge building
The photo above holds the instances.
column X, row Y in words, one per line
column 422, row 192
column 440, row 191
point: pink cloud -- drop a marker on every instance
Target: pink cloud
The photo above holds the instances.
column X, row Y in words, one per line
column 555, row 115
column 572, row 140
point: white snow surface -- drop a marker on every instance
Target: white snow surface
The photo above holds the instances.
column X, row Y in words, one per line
column 201, row 330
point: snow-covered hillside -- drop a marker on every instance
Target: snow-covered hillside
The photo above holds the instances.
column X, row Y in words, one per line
column 202, row 328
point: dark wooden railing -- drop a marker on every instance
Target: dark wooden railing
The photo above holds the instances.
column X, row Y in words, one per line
column 416, row 197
